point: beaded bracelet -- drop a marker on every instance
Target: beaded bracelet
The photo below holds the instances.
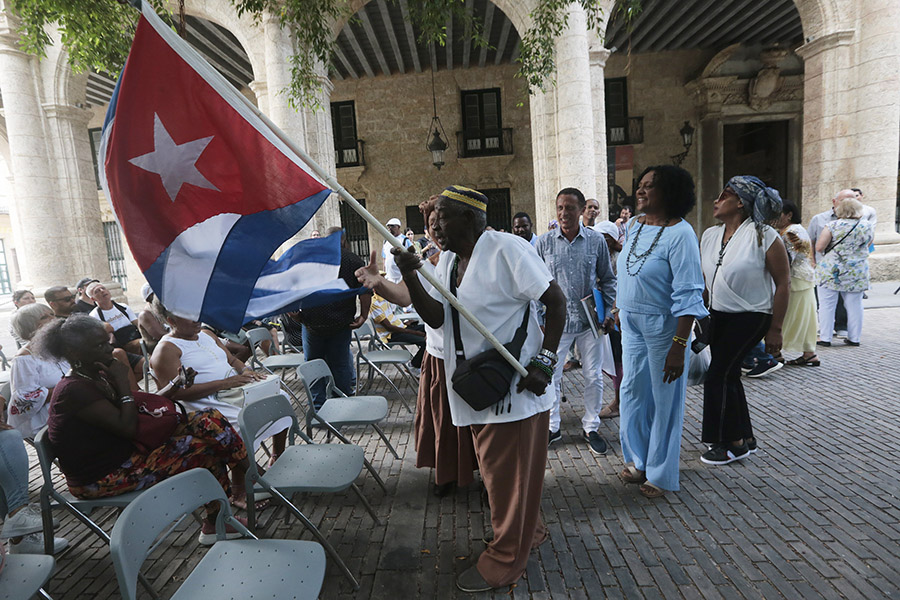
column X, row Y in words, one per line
column 542, row 367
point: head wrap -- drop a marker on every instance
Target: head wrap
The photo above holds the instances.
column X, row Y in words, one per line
column 467, row 196
column 762, row 202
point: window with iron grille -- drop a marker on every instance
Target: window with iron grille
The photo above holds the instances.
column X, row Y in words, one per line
column 94, row 135
column 346, row 145
column 116, row 252
column 5, row 287
column 356, row 229
column 616, row 111
column 498, row 213
column 415, row 220
column 482, row 125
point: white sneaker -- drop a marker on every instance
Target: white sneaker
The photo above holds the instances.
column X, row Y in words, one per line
column 28, row 520
column 34, row 544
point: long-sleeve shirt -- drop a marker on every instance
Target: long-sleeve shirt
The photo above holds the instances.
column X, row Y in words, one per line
column 670, row 281
column 578, row 267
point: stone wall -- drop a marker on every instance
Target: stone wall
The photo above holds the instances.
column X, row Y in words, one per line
column 393, row 116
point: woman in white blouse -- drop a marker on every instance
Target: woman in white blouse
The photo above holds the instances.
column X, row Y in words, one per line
column 32, row 379
column 747, row 274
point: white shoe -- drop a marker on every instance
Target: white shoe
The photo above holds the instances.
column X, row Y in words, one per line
column 34, row 544
column 28, row 520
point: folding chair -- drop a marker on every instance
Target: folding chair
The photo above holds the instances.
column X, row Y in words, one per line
column 24, row 576
column 274, row 360
column 246, row 568
column 339, row 409
column 313, row 468
column 51, row 498
column 374, row 359
column 146, row 369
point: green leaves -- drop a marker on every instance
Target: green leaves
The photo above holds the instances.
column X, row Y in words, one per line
column 97, row 33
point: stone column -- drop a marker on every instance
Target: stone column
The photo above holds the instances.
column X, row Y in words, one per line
column 562, row 124
column 320, row 145
column 41, row 232
column 598, row 56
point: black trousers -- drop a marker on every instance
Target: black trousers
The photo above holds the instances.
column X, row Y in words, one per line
column 726, row 417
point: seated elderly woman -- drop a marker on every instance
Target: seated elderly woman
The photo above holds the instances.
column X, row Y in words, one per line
column 93, row 424
column 20, row 298
column 190, row 346
column 33, row 378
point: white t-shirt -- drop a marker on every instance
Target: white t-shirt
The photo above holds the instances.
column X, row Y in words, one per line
column 391, row 270
column 434, row 338
column 503, row 276
column 742, row 283
column 115, row 317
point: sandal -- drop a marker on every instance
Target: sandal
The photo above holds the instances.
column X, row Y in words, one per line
column 608, row 412
column 812, row 361
column 651, row 491
column 632, row 475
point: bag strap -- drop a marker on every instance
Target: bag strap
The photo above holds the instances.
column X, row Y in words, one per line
column 837, row 243
column 515, row 346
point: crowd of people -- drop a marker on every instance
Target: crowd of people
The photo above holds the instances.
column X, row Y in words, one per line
column 635, row 298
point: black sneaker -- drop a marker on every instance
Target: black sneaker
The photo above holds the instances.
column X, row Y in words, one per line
column 751, row 445
column 764, row 368
column 597, row 443
column 722, row 454
column 823, row 343
column 555, row 436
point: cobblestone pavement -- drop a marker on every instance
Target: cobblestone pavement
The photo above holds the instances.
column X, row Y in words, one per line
column 815, row 514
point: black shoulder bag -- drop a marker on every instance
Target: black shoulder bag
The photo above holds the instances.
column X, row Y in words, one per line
column 484, row 380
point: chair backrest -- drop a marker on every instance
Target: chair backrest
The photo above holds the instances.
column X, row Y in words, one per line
column 258, row 416
column 311, row 372
column 6, row 391
column 45, row 453
column 366, row 332
column 258, row 335
column 142, row 521
column 3, row 362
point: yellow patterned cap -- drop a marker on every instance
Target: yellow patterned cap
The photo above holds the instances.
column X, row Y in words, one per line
column 467, row 196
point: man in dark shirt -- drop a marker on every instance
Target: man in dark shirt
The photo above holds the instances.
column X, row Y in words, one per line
column 327, row 329
column 83, row 302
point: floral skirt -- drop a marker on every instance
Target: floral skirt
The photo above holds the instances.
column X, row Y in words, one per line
column 206, row 440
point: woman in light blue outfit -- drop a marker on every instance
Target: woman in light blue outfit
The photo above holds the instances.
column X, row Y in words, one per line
column 660, row 293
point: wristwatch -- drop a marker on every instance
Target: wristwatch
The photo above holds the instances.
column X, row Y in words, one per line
column 550, row 356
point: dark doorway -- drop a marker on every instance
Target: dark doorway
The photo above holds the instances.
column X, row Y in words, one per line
column 356, row 229
column 759, row 149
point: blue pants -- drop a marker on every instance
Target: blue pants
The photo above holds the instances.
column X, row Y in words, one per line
column 13, row 472
column 757, row 353
column 651, row 411
column 334, row 349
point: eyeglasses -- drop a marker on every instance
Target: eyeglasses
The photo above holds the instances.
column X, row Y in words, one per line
column 68, row 298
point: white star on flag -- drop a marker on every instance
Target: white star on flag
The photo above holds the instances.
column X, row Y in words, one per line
column 176, row 164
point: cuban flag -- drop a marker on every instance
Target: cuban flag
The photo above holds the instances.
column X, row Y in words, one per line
column 205, row 191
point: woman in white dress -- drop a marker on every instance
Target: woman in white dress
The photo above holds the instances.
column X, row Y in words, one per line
column 32, row 379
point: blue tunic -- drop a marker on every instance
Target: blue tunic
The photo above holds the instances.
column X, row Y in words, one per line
column 669, row 285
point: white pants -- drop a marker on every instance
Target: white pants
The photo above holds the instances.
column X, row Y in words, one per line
column 828, row 299
column 591, row 349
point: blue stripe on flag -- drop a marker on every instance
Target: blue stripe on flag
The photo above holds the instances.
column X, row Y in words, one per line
column 244, row 254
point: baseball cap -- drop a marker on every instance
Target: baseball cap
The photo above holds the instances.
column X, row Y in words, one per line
column 146, row 292
column 83, row 283
column 394, row 221
column 607, row 227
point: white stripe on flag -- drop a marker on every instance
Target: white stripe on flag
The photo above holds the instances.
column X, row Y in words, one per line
column 190, row 262
column 265, row 305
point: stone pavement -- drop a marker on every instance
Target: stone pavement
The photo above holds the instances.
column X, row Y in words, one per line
column 815, row 514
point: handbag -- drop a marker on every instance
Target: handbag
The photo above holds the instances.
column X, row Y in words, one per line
column 698, row 367
column 485, row 379
column 158, row 417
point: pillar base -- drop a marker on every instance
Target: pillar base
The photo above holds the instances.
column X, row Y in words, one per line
column 884, row 263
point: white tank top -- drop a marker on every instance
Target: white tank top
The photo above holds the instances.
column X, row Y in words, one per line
column 206, row 357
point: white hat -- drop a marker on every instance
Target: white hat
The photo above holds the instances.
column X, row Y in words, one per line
column 607, row 227
column 394, row 221
column 146, row 292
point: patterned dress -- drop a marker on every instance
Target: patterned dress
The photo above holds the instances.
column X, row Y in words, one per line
column 845, row 263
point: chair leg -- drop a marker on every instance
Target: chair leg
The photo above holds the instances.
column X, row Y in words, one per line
column 375, row 474
column 44, row 594
column 316, row 533
column 385, row 440
column 365, row 502
column 396, row 389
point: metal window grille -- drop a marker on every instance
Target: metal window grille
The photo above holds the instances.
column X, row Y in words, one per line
column 498, row 212
column 116, row 253
column 356, row 229
column 5, row 287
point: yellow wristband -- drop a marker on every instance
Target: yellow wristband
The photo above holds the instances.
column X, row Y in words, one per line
column 680, row 340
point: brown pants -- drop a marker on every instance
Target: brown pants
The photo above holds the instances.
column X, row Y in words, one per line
column 512, row 458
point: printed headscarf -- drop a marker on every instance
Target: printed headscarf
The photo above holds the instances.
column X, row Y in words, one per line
column 762, row 202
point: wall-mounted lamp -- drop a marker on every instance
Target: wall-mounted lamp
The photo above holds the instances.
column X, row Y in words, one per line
column 687, row 140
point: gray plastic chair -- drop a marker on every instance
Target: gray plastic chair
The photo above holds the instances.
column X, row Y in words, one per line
column 339, row 409
column 52, row 498
column 375, row 359
column 24, row 575
column 314, row 468
column 274, row 360
column 247, row 568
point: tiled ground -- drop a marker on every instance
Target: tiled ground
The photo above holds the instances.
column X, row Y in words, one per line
column 815, row 514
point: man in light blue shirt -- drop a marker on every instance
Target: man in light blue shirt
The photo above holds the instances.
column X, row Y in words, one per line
column 578, row 259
